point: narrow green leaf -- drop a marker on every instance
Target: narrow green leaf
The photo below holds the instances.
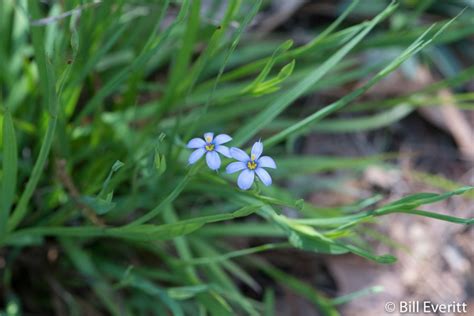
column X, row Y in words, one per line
column 268, row 66
column 10, row 169
column 440, row 182
column 307, row 238
column 274, row 84
column 447, row 218
column 99, row 205
column 357, row 294
column 269, row 302
column 186, row 292
column 355, row 124
column 242, row 230
column 415, row 200
column 21, row 208
column 384, row 259
column 314, row 244
column 136, row 232
column 235, row 254
column 295, row 165
column 115, row 168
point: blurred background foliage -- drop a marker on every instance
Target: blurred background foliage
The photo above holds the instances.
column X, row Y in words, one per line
column 100, row 213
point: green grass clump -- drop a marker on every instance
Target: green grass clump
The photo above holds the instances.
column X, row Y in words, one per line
column 97, row 102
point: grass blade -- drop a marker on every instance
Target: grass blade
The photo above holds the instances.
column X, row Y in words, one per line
column 135, row 232
column 447, row 218
column 357, row 294
column 10, row 169
column 358, row 124
column 234, row 254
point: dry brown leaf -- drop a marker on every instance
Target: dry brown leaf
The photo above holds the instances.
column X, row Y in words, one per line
column 448, row 117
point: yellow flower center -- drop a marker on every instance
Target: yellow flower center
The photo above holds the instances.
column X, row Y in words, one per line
column 251, row 165
column 210, row 147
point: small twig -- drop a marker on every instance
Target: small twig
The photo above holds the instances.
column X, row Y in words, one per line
column 74, row 193
column 53, row 19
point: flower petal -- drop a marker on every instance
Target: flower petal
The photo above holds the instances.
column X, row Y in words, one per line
column 239, row 154
column 208, row 137
column 213, row 160
column 224, row 150
column 264, row 176
column 196, row 155
column 257, row 150
column 267, row 162
column 245, row 179
column 196, row 143
column 222, row 139
column 235, row 166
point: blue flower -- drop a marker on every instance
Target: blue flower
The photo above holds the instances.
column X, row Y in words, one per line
column 210, row 146
column 251, row 165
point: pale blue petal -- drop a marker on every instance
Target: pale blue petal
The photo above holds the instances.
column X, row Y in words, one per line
column 235, row 166
column 224, row 150
column 222, row 139
column 208, row 137
column 257, row 150
column 195, row 155
column 266, row 162
column 264, row 176
column 213, row 160
column 239, row 154
column 245, row 179
column 196, row 143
